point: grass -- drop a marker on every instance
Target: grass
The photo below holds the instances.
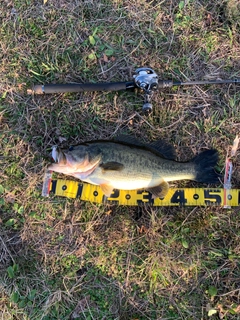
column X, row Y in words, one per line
column 66, row 259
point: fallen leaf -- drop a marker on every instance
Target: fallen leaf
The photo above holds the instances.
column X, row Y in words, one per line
column 142, row 229
column 235, row 146
column 105, row 58
column 220, row 307
column 92, row 40
column 237, row 309
column 212, row 291
column 10, row 198
column 211, row 312
column 185, row 244
column 208, row 20
column 221, row 311
column 92, row 56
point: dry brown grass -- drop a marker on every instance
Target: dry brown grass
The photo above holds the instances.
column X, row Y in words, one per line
column 83, row 261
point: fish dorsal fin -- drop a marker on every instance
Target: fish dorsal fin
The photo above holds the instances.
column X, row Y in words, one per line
column 160, row 146
column 164, row 149
column 130, row 140
column 112, row 166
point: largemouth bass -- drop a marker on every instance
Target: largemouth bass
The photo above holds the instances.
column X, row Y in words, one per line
column 127, row 164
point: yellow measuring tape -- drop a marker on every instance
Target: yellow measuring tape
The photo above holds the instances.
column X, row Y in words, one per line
column 175, row 197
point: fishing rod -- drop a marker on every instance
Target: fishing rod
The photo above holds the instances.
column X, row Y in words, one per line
column 144, row 79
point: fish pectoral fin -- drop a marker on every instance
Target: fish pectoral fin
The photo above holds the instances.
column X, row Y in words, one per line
column 112, row 166
column 107, row 189
column 159, row 191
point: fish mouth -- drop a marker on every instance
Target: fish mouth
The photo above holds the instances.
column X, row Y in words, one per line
column 63, row 165
column 80, row 173
column 55, row 153
column 84, row 174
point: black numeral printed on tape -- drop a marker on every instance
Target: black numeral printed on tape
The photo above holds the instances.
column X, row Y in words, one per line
column 176, row 197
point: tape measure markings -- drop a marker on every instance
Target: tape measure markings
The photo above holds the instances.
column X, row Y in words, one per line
column 175, row 196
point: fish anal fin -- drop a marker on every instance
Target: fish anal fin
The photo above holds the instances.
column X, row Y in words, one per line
column 107, row 189
column 112, row 166
column 159, row 191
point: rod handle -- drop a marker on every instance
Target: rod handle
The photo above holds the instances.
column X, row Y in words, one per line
column 78, row 87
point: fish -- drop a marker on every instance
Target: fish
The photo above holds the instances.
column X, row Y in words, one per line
column 125, row 163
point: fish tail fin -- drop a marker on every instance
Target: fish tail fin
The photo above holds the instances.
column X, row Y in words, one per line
column 204, row 164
